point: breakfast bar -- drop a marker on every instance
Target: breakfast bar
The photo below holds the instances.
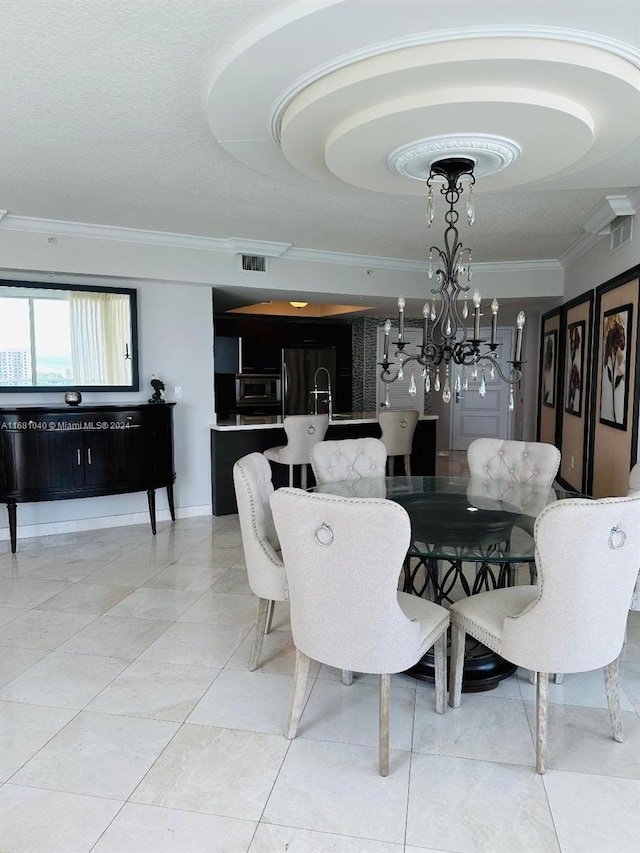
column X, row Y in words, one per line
column 234, row 437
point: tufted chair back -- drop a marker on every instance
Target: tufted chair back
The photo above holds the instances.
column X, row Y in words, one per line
column 253, row 487
column 634, row 491
column 303, row 431
column 521, row 461
column 343, row 558
column 350, row 459
column 588, row 557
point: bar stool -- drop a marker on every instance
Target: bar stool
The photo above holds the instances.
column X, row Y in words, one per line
column 398, row 428
column 303, row 431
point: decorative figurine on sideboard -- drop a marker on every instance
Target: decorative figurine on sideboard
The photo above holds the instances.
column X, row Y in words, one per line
column 158, row 390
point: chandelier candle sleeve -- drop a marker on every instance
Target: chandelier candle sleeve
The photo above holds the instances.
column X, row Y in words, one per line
column 519, row 326
column 387, row 330
column 401, row 319
column 426, row 311
column 476, row 314
column 494, row 321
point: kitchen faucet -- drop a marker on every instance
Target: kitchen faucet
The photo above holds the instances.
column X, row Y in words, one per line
column 322, row 393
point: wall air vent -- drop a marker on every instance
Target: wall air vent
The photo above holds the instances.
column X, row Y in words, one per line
column 254, row 263
column 621, row 232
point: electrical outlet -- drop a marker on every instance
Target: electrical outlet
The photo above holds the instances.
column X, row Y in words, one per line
column 178, row 392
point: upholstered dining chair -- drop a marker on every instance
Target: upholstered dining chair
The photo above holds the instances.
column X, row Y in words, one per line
column 574, row 619
column 634, row 491
column 265, row 569
column 349, row 459
column 303, row 431
column 530, row 462
column 397, row 429
column 343, row 557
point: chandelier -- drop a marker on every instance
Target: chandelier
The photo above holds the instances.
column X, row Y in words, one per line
column 445, row 340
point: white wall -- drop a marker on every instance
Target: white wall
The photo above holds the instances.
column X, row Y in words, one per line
column 175, row 343
column 599, row 264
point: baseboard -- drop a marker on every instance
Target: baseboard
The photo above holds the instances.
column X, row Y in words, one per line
column 77, row 525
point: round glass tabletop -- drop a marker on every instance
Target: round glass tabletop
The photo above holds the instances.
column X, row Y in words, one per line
column 462, row 518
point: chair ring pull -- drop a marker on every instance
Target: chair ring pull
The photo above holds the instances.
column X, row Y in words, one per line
column 311, row 429
column 617, row 538
column 324, row 534
column 403, row 424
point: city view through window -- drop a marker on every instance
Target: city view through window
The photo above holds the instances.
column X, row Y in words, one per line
column 35, row 342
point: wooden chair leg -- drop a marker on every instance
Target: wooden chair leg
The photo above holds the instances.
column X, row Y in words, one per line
column 291, row 476
column 533, row 677
column 347, row 677
column 613, row 698
column 407, row 464
column 383, row 749
column 272, row 607
column 542, row 701
column 391, row 465
column 297, row 697
column 262, row 616
column 458, row 640
column 303, row 477
column 440, row 670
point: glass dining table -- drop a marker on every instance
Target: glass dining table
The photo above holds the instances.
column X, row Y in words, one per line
column 468, row 535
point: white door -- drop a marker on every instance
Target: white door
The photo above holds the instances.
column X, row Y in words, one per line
column 473, row 416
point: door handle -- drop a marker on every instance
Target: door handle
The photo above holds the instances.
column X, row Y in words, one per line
column 459, row 396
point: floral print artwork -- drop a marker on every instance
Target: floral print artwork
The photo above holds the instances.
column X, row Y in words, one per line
column 575, row 368
column 615, row 347
column 549, row 369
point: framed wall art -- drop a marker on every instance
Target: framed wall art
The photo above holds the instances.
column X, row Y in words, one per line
column 616, row 387
column 574, row 368
column 549, row 364
column 615, row 339
column 549, row 378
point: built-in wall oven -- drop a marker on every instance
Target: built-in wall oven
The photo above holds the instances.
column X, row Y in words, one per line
column 257, row 393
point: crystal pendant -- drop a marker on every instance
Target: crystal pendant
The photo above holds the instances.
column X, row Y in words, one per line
column 465, row 379
column 482, row 390
column 432, row 315
column 474, row 371
column 424, row 373
column 471, row 207
column 447, row 329
column 512, row 402
column 387, row 401
column 436, row 384
column 492, row 373
column 469, row 273
column 465, row 310
column 400, row 373
column 446, row 391
column 427, row 382
column 430, row 272
column 412, row 385
column 430, row 212
column 458, row 385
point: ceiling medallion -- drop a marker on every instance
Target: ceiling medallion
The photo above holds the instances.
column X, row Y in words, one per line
column 489, row 153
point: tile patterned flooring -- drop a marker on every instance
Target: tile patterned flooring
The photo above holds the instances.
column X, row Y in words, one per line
column 130, row 724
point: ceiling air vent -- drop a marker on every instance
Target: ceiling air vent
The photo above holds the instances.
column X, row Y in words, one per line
column 254, row 263
column 620, row 232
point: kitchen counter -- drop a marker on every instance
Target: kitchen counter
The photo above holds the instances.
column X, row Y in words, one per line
column 235, row 437
column 251, row 422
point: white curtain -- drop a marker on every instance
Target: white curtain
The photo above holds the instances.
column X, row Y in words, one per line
column 100, row 338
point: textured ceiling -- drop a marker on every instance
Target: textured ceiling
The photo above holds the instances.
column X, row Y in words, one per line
column 119, row 114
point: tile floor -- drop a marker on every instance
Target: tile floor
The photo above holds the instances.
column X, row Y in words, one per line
column 130, row 724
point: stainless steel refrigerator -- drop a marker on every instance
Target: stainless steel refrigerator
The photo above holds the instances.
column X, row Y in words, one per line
column 302, row 370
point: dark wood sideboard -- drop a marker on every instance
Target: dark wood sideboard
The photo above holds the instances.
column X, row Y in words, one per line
column 52, row 453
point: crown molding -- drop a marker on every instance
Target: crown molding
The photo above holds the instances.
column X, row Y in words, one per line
column 597, row 223
column 239, row 245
